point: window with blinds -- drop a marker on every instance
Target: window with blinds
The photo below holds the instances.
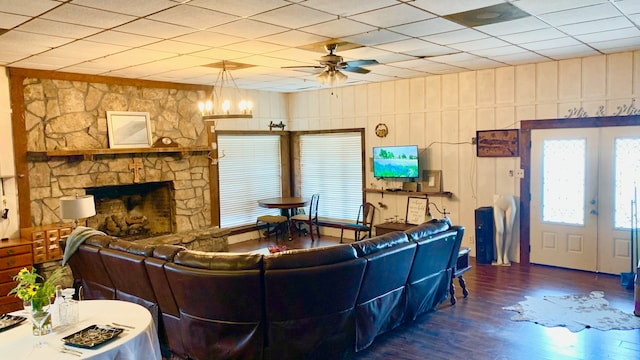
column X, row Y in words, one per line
column 249, row 171
column 331, row 165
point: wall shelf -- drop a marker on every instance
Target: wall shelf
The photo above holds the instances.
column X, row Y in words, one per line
column 408, row 193
column 90, row 154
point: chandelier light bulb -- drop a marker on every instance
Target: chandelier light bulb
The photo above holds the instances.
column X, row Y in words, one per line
column 201, row 107
column 209, row 106
column 243, row 105
column 226, row 105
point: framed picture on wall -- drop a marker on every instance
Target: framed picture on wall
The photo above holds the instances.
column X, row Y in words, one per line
column 128, row 129
column 432, row 180
column 498, row 143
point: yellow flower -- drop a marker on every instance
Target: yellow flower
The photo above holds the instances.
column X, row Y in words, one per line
column 32, row 290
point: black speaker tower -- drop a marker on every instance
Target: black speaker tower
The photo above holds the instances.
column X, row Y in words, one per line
column 484, row 235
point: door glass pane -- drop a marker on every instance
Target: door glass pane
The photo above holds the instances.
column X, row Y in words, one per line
column 563, row 181
column 627, row 173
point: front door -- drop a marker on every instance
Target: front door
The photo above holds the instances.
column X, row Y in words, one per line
column 582, row 184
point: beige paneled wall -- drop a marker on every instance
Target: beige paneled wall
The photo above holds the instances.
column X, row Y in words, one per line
column 442, row 113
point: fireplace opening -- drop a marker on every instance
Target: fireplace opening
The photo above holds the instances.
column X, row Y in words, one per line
column 134, row 211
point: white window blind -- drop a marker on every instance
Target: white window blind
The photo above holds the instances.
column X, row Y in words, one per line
column 249, row 171
column 331, row 165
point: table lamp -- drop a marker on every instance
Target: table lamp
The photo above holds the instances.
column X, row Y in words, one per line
column 77, row 207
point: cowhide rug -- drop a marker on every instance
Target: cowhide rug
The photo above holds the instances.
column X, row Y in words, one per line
column 575, row 312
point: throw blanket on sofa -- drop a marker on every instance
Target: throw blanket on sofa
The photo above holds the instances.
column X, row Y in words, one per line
column 77, row 237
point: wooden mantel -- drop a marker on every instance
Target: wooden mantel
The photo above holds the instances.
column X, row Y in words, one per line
column 89, row 154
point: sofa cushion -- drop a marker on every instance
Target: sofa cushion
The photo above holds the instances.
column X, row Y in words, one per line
column 378, row 243
column 428, row 228
column 167, row 252
column 101, row 241
column 300, row 258
column 131, row 247
column 218, row 260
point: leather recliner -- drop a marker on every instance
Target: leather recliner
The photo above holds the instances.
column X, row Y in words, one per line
column 86, row 264
column 310, row 297
column 381, row 301
column 220, row 297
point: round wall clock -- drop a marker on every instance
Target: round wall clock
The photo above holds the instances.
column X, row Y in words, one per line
column 165, row 142
column 382, row 130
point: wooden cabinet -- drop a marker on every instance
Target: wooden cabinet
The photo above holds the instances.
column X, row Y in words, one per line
column 46, row 241
column 15, row 254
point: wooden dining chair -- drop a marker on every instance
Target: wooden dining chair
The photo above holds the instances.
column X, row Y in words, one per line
column 364, row 222
column 310, row 219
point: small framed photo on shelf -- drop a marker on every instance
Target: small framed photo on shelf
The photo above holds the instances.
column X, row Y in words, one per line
column 128, row 129
column 432, row 180
column 416, row 210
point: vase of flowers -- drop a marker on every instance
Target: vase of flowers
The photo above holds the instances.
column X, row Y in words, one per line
column 36, row 297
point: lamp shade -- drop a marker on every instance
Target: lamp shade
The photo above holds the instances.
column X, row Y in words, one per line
column 77, row 207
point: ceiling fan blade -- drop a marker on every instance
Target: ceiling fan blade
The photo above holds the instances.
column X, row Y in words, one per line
column 356, row 63
column 303, row 67
column 356, row 69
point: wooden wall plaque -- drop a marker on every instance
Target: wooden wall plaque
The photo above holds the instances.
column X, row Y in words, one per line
column 498, row 143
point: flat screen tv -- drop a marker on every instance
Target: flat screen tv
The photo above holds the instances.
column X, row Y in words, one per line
column 395, row 161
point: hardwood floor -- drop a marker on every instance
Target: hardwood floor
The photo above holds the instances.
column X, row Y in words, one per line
column 477, row 328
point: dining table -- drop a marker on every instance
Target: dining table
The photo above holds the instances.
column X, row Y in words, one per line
column 286, row 204
column 137, row 341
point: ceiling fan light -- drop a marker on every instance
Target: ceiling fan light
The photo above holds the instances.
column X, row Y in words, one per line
column 340, row 77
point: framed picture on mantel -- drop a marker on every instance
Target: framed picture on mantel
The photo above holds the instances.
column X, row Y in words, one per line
column 128, row 129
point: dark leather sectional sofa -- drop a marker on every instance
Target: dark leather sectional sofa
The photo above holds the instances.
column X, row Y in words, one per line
column 318, row 303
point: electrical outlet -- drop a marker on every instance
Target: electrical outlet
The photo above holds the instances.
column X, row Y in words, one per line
column 474, row 141
column 520, row 173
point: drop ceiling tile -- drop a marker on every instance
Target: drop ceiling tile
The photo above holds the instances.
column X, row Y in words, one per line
column 193, row 17
column 480, row 63
column 538, row 7
column 209, row 38
column 610, row 35
column 84, row 50
column 392, row 16
column 456, row 36
column 535, row 35
column 521, row 58
column 430, row 50
column 294, row 16
column 551, row 44
column 587, row 13
column 134, row 8
column 44, row 62
column 120, row 38
column 619, row 45
column 28, row 8
column 347, row 8
column 588, row 27
column 220, row 54
column 48, row 27
column 248, row 29
column 629, row 6
column 296, row 54
column 396, row 72
column 254, row 46
column 130, row 58
column 487, row 43
column 427, row 27
column 81, row 15
column 8, row 57
column 454, row 58
column 404, row 45
column 175, row 47
column 242, row 8
column 293, row 38
column 498, row 51
column 339, row 28
column 440, row 7
column 568, row 52
column 437, row 68
column 387, row 57
column 9, row 21
column 274, row 62
column 166, row 65
column 514, row 26
column 375, row 37
column 34, row 43
column 153, row 28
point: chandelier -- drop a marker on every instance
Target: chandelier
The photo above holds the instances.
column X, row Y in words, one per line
column 331, row 76
column 219, row 107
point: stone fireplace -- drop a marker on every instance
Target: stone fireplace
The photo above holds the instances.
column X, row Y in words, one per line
column 135, row 210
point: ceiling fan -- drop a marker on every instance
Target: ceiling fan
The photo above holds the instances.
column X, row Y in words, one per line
column 331, row 64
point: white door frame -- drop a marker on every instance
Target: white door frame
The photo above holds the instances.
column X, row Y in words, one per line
column 525, row 162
